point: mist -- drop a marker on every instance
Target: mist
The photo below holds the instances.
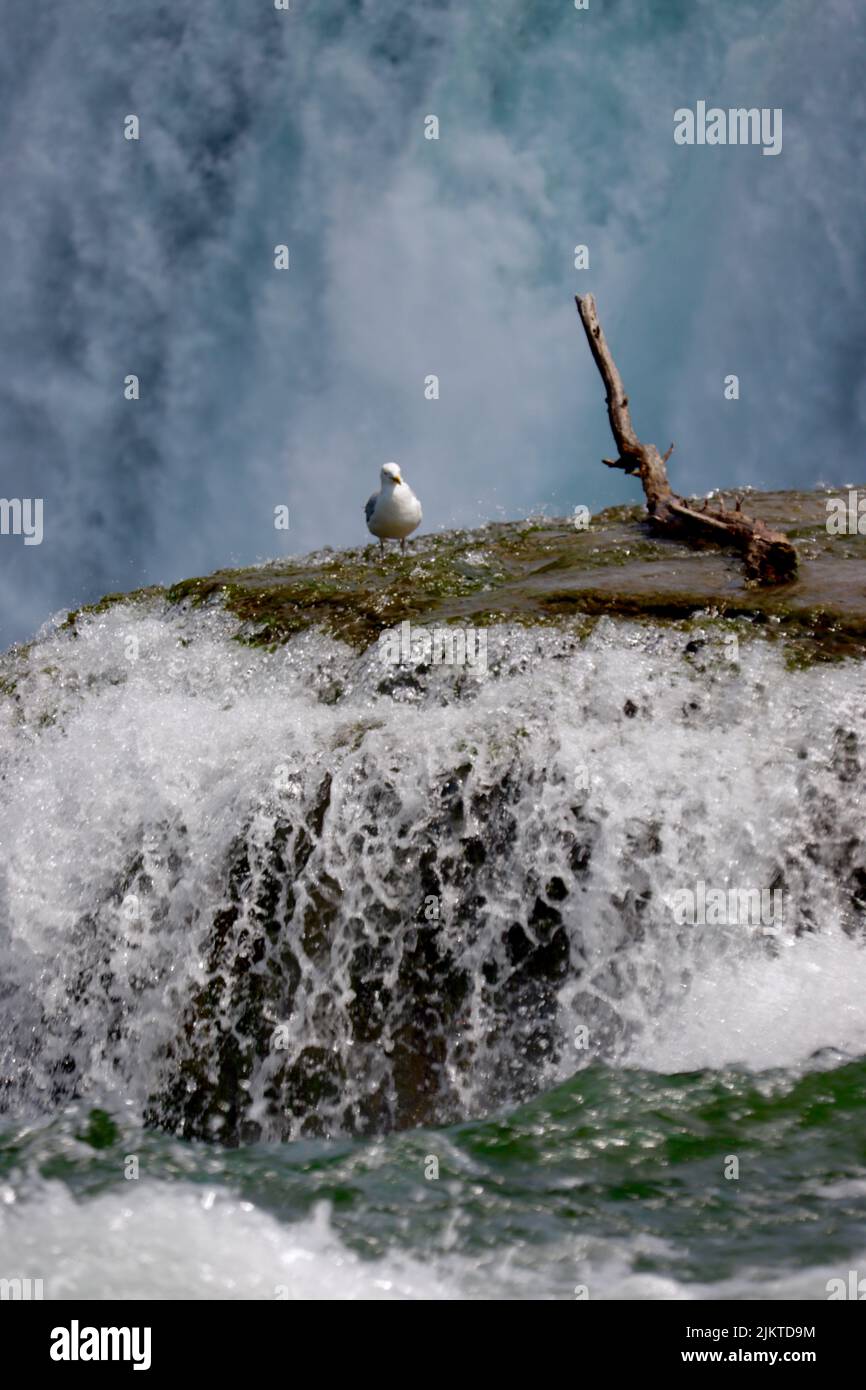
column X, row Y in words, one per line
column 409, row 257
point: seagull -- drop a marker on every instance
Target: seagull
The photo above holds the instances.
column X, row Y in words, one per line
column 394, row 511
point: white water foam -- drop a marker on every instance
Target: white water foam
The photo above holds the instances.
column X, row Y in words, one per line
column 179, row 1242
column 595, row 778
column 761, row 1013
column 163, row 1242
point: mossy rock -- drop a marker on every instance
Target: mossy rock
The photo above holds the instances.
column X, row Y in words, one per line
column 545, row 571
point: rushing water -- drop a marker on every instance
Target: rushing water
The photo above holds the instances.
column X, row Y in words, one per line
column 321, row 976
column 375, row 971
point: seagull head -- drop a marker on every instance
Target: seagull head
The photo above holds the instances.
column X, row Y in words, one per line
column 390, row 474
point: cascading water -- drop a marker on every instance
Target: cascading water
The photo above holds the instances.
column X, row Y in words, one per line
column 261, row 894
column 408, row 257
column 329, row 976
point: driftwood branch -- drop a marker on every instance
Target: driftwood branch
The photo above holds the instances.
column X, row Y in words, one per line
column 770, row 557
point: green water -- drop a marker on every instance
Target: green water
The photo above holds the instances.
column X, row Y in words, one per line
column 614, row 1182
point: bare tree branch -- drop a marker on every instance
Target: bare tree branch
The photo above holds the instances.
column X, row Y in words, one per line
column 769, row 556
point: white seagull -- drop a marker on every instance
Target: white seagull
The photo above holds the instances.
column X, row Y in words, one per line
column 394, row 511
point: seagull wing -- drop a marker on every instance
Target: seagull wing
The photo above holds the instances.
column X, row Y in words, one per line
column 370, row 506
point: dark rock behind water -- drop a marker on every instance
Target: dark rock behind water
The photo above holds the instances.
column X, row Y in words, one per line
column 260, row 883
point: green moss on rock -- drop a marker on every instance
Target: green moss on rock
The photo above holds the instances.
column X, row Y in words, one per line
column 545, row 572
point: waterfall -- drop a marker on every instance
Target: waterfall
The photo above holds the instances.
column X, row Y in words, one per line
column 305, row 892
column 409, row 257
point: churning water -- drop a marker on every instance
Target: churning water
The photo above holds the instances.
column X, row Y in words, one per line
column 334, row 918
column 321, row 976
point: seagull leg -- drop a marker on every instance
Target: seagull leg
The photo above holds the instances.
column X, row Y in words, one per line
column 403, row 544
column 381, row 546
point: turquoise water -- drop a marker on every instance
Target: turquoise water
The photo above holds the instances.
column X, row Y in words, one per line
column 554, row 1089
column 202, row 845
column 611, row 1185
